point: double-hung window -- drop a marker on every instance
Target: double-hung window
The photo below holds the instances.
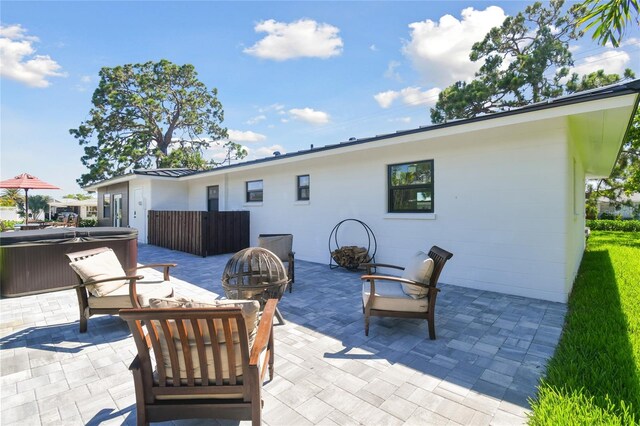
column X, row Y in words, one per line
column 303, row 188
column 411, row 187
column 254, row 191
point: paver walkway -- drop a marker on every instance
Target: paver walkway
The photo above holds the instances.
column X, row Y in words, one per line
column 490, row 352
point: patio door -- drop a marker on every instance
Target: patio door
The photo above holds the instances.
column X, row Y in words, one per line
column 117, row 210
column 139, row 218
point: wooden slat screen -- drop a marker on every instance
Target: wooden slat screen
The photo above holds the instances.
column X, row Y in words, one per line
column 198, row 232
column 178, row 230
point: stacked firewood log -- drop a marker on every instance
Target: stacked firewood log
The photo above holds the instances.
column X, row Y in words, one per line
column 350, row 257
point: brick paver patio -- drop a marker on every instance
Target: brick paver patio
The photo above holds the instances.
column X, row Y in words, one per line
column 490, row 352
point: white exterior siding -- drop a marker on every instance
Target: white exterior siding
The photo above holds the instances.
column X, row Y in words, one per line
column 508, row 194
column 499, row 197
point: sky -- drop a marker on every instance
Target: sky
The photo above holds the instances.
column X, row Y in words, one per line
column 289, row 74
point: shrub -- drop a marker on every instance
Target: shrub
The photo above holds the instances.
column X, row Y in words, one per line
column 609, row 216
column 7, row 225
column 614, row 225
column 88, row 223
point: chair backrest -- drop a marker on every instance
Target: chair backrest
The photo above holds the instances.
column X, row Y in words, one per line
column 280, row 244
column 196, row 351
column 440, row 257
column 79, row 255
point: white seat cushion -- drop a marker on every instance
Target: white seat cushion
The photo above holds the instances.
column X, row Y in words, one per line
column 390, row 297
column 419, row 268
column 99, row 267
column 119, row 298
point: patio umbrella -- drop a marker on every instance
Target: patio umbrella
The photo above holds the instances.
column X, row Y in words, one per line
column 26, row 181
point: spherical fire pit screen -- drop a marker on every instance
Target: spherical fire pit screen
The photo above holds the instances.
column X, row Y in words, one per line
column 254, row 273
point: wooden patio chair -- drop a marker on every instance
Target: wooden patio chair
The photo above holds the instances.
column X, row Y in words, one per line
column 413, row 295
column 105, row 288
column 179, row 374
column 282, row 246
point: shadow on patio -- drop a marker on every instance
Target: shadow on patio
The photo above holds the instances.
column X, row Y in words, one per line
column 490, row 353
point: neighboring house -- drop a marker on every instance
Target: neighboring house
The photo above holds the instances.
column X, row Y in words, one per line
column 503, row 192
column 85, row 208
column 9, row 213
column 624, row 211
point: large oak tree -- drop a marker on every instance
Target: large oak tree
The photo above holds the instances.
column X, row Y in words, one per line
column 155, row 114
column 518, row 58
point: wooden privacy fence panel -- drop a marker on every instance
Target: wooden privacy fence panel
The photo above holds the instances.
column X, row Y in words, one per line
column 178, row 230
column 227, row 232
column 198, row 232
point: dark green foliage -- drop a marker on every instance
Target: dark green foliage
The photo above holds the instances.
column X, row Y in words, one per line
column 79, row 197
column 593, row 377
column 517, row 57
column 88, row 223
column 614, row 225
column 156, row 114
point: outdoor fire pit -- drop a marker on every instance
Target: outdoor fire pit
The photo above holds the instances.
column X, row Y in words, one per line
column 254, row 273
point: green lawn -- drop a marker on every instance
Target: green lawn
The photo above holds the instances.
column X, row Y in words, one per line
column 594, row 376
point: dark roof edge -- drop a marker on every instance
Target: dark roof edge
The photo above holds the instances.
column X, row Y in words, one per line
column 611, row 91
column 619, row 89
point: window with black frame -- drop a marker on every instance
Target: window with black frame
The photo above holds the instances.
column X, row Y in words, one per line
column 411, row 187
column 254, row 191
column 303, row 187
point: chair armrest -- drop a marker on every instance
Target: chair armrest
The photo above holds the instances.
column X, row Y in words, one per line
column 381, row 265
column 396, row 279
column 156, row 265
column 166, row 267
column 264, row 331
column 106, row 280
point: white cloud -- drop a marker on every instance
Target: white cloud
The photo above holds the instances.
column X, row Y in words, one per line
column 19, row 62
column 84, row 83
column 273, row 107
column 373, row 48
column 385, row 99
column 611, row 61
column 391, row 72
column 262, row 152
column 309, row 115
column 440, row 50
column 256, row 119
column 247, row 136
column 413, row 96
column 416, row 96
column 400, row 120
column 303, row 38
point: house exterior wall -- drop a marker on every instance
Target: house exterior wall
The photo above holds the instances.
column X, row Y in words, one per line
column 500, row 198
column 169, row 194
column 118, row 188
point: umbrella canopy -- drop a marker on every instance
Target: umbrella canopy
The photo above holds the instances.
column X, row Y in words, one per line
column 26, row 181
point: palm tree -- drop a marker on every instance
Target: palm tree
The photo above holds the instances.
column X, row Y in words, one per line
column 11, row 197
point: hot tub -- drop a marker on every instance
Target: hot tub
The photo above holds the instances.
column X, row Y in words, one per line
column 34, row 262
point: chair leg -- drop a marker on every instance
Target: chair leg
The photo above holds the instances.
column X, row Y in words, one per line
column 366, row 325
column 83, row 307
column 432, row 327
